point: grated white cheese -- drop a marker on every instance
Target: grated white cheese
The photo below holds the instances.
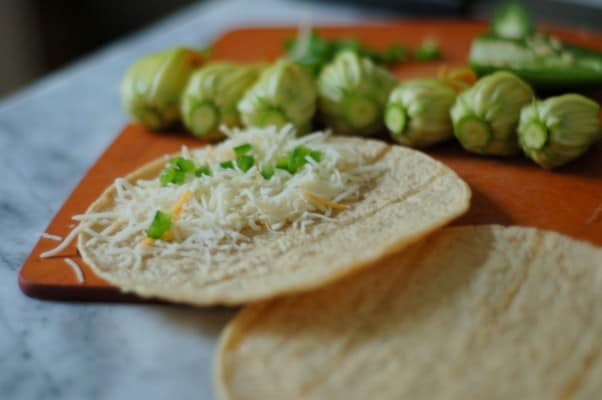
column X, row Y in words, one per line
column 224, row 210
column 63, row 245
column 51, row 236
column 76, row 269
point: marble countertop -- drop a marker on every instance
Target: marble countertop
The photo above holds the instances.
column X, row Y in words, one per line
column 50, row 133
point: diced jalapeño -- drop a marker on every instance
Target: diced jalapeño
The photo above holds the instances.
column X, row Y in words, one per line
column 245, row 162
column 182, row 164
column 267, row 171
column 227, row 164
column 201, row 171
column 161, row 224
column 242, row 149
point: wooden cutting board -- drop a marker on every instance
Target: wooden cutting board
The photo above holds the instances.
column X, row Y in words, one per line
column 505, row 191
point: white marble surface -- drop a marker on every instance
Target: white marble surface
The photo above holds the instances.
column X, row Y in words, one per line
column 50, row 134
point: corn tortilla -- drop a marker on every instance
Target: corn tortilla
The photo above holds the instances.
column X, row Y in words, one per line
column 414, row 197
column 469, row 313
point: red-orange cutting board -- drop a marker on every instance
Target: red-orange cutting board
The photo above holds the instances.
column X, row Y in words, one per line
column 505, row 191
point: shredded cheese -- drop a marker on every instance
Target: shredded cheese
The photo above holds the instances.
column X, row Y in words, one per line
column 323, row 202
column 51, row 236
column 147, row 241
column 222, row 211
column 595, row 215
column 64, row 244
column 76, row 269
column 177, row 208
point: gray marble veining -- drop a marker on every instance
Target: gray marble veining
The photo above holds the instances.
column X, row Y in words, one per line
column 50, row 134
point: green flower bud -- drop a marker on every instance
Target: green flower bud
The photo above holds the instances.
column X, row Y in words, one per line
column 417, row 113
column 353, row 92
column 152, row 87
column 211, row 95
column 485, row 116
column 284, row 93
column 560, row 129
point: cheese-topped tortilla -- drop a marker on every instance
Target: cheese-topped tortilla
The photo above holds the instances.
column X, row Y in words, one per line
column 237, row 236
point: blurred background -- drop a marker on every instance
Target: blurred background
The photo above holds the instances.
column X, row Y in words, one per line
column 39, row 36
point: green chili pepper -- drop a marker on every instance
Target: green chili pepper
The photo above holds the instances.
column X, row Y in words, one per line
column 227, row 164
column 172, row 175
column 242, row 149
column 282, row 163
column 316, row 155
column 245, row 163
column 542, row 60
column 161, row 224
column 182, row 164
column 297, row 158
column 176, row 173
column 204, row 170
column 167, row 176
column 267, row 171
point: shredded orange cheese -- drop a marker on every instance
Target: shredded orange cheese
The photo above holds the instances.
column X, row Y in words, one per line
column 323, row 202
column 595, row 215
column 147, row 241
column 177, row 208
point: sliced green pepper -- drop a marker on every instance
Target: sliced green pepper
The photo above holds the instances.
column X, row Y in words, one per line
column 204, row 170
column 242, row 149
column 227, row 164
column 542, row 61
column 161, row 224
column 245, row 163
column 282, row 163
column 182, row 164
column 176, row 172
column 267, row 171
column 297, row 158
